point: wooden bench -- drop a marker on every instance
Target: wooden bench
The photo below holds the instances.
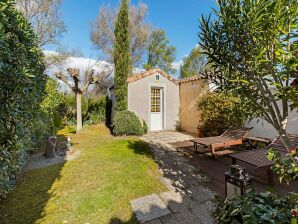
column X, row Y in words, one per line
column 230, row 137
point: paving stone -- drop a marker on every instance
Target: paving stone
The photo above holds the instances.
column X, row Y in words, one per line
column 149, row 208
column 176, row 201
column 186, row 217
column 156, row 221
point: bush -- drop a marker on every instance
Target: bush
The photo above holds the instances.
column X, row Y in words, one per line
column 21, row 91
column 145, row 127
column 127, row 123
column 96, row 110
column 219, row 112
column 51, row 105
column 256, row 208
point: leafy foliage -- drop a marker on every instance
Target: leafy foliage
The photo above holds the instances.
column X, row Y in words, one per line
column 94, row 110
column 220, row 111
column 21, row 91
column 284, row 167
column 194, row 64
column 256, row 208
column 252, row 46
column 52, row 103
column 122, row 57
column 127, row 123
column 160, row 53
column 145, row 127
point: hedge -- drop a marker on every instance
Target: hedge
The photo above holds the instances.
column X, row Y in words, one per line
column 21, row 91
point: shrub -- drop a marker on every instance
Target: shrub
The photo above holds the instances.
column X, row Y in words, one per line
column 219, row 112
column 127, row 123
column 94, row 110
column 145, row 127
column 256, row 208
column 21, row 91
column 51, row 105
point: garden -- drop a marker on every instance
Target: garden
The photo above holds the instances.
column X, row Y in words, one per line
column 247, row 50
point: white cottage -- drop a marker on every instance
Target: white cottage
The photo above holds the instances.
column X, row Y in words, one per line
column 154, row 96
column 163, row 102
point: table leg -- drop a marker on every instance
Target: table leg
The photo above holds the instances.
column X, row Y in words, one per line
column 213, row 152
column 270, row 177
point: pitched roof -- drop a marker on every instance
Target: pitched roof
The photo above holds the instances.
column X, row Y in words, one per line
column 145, row 74
column 191, row 78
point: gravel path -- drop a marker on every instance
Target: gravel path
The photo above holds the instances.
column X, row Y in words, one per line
column 189, row 199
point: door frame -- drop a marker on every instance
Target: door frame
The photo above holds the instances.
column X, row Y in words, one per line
column 163, row 100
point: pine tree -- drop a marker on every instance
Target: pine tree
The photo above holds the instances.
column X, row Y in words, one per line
column 122, row 57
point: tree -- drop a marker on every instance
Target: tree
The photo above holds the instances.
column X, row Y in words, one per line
column 21, row 91
column 51, row 103
column 252, row 46
column 103, row 37
column 194, row 64
column 159, row 53
column 74, row 85
column 122, row 57
column 45, row 17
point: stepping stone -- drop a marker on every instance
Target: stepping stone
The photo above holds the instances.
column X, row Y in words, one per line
column 154, row 222
column 149, row 208
column 177, row 202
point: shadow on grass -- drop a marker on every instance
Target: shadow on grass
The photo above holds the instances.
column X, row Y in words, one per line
column 116, row 220
column 27, row 202
column 141, row 148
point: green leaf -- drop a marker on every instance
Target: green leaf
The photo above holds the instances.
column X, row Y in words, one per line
column 260, row 54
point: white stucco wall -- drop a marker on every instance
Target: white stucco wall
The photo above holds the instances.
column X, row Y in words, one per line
column 263, row 129
column 139, row 99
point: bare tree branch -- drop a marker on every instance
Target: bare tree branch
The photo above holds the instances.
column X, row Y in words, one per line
column 45, row 17
column 102, row 31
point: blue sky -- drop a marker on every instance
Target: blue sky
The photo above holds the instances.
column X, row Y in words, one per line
column 179, row 18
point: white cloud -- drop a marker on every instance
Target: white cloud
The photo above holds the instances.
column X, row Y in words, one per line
column 81, row 63
column 176, row 65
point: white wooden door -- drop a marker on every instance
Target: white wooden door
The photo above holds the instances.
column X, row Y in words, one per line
column 156, row 109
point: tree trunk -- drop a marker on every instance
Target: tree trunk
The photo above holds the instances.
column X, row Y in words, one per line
column 285, row 139
column 79, row 112
column 50, row 151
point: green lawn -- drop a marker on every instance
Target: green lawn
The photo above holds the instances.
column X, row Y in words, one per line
column 95, row 188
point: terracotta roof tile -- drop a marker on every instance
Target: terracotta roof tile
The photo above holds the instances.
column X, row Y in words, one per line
column 145, row 74
column 192, row 78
